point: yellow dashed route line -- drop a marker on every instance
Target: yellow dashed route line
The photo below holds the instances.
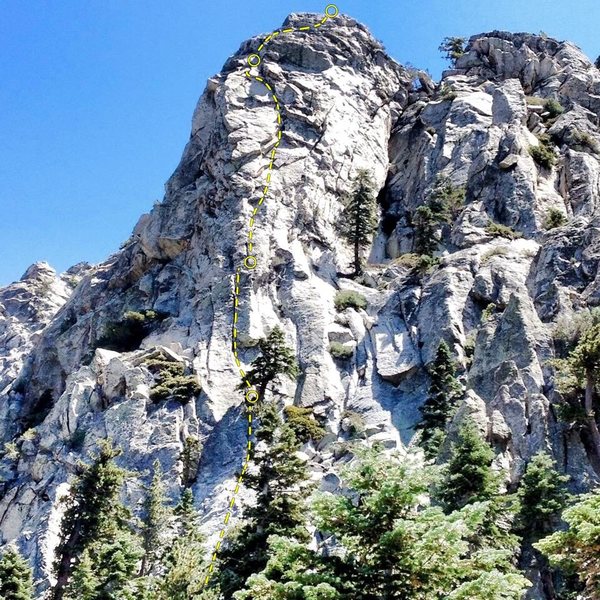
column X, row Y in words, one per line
column 250, row 262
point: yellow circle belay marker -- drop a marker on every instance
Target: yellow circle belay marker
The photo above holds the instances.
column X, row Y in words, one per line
column 250, row 262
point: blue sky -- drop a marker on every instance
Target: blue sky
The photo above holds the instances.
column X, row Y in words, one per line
column 96, row 98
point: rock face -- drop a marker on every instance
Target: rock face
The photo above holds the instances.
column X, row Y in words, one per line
column 346, row 105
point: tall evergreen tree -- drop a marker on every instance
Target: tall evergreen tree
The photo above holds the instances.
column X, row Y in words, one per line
column 280, row 481
column 579, row 375
column 155, row 520
column 16, row 581
column 443, row 396
column 93, row 514
column 275, row 359
column 184, row 561
column 426, row 223
column 543, row 496
column 469, row 477
column 359, row 217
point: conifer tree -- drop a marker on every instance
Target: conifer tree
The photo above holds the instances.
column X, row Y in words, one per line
column 425, row 223
column 281, row 482
column 452, row 48
column 579, row 375
column 359, row 217
column 94, row 514
column 469, row 477
column 542, row 496
column 275, row 359
column 444, row 392
column 575, row 550
column 184, row 561
column 155, row 520
column 16, row 581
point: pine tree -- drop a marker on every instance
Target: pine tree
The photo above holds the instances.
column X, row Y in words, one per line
column 469, row 477
column 425, row 223
column 359, row 217
column 155, row 520
column 281, row 482
column 542, row 496
column 452, row 48
column 93, row 515
column 579, row 374
column 390, row 543
column 16, row 581
column 184, row 561
column 444, row 393
column 575, row 550
column 84, row 582
column 276, row 358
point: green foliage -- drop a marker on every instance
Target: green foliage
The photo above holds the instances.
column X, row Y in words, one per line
column 170, row 381
column 575, row 550
column 443, row 205
column 447, row 92
column 155, row 517
column 442, row 399
column 349, row 299
column 426, row 224
column 584, row 140
column 190, row 458
column 128, row 333
column 419, row 263
column 488, row 311
column 452, row 48
column 554, row 108
column 570, row 327
column 275, row 359
column 303, row 423
column 542, row 497
column 554, row 218
column 281, row 482
column 359, row 217
column 183, row 565
column 340, row 351
column 468, row 477
column 16, row 580
column 94, row 520
column 398, row 546
column 499, row 230
column 446, row 200
column 543, row 154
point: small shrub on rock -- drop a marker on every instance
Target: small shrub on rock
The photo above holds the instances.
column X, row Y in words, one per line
column 499, row 230
column 354, row 424
column 340, row 351
column 543, row 154
column 349, row 299
column 303, row 423
column 554, row 218
column 554, row 108
column 170, row 381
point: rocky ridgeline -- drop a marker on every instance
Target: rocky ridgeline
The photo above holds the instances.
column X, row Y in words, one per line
column 347, row 105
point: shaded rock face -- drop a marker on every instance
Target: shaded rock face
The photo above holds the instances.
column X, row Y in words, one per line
column 346, row 105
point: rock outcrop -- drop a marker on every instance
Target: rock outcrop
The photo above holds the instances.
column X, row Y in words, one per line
column 346, row 105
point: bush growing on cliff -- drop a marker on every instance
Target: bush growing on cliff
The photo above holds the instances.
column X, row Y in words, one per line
column 170, row 381
column 303, row 423
column 349, row 299
column 554, row 108
column 499, row 230
column 554, row 218
column 543, row 154
column 340, row 351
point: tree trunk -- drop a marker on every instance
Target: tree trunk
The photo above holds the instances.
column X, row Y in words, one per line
column 589, row 412
column 65, row 567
